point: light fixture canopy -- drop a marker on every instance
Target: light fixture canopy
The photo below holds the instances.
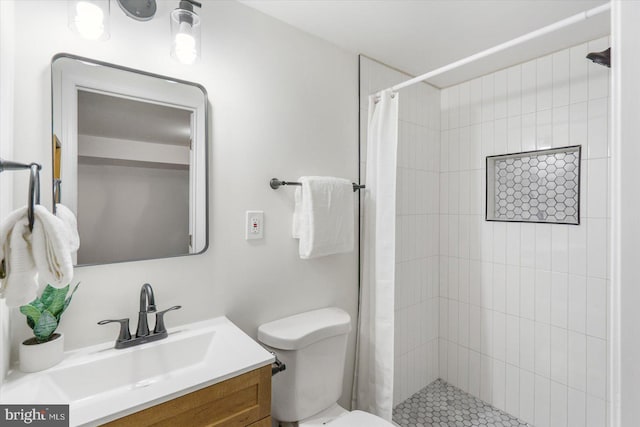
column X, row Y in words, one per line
column 140, row 10
column 185, row 32
column 89, row 18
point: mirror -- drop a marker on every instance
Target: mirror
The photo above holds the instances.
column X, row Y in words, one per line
column 130, row 159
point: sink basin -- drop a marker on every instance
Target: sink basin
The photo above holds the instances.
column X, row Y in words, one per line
column 101, row 383
column 135, row 367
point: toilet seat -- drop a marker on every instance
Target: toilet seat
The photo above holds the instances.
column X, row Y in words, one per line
column 359, row 419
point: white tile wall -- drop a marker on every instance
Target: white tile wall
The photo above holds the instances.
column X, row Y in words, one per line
column 525, row 305
column 417, row 246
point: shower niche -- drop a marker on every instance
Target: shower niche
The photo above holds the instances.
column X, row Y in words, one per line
column 535, row 186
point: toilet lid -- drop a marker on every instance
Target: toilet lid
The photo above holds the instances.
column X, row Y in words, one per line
column 359, row 419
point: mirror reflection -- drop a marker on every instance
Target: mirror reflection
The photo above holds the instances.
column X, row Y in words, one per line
column 129, row 152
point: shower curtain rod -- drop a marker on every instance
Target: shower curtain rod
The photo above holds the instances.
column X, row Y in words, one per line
column 582, row 16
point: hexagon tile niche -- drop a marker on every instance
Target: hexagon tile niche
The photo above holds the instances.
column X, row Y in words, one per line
column 535, row 186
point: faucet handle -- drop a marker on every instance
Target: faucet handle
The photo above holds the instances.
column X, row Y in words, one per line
column 160, row 328
column 125, row 334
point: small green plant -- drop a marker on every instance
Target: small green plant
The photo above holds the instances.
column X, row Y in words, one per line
column 43, row 313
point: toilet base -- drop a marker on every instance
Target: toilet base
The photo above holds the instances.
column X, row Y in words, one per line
column 322, row 418
column 317, row 420
column 339, row 417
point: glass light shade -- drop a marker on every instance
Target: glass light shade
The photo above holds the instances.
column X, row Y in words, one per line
column 89, row 18
column 185, row 36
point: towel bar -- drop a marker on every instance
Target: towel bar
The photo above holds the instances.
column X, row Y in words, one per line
column 275, row 183
column 34, row 183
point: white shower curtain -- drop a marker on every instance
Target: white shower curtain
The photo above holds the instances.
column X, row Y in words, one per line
column 373, row 382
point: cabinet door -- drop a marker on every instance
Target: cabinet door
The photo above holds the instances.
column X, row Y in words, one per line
column 240, row 401
column 265, row 422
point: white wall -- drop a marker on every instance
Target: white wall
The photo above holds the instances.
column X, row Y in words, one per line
column 523, row 313
column 6, row 149
column 283, row 104
column 416, row 299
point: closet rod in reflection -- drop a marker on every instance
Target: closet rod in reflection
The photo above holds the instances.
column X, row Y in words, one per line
column 275, row 183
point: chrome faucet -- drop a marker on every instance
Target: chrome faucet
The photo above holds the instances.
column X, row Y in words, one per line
column 143, row 335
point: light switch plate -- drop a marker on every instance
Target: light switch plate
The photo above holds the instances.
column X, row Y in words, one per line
column 254, row 225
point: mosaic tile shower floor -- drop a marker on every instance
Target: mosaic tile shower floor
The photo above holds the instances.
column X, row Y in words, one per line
column 442, row 405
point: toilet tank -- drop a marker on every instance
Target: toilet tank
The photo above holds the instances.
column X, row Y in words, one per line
column 313, row 346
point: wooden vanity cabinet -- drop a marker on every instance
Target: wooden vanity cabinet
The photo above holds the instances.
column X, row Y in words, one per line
column 241, row 401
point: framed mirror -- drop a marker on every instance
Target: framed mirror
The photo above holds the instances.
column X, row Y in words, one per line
column 130, row 159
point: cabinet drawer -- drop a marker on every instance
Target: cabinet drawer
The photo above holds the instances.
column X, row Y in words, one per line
column 240, row 401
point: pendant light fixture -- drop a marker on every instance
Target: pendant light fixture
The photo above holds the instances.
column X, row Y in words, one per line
column 89, row 18
column 185, row 32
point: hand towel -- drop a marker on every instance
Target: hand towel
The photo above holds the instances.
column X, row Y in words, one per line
column 20, row 285
column 51, row 248
column 45, row 251
column 6, row 227
column 297, row 213
column 324, row 216
column 70, row 221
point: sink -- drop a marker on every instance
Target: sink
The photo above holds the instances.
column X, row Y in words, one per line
column 133, row 368
column 101, row 383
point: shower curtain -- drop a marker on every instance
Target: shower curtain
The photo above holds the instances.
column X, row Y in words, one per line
column 373, row 381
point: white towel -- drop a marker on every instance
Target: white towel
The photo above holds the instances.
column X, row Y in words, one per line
column 45, row 251
column 297, row 213
column 51, row 248
column 20, row 286
column 70, row 221
column 323, row 217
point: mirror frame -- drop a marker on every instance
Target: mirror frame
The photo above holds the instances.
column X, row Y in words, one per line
column 56, row 154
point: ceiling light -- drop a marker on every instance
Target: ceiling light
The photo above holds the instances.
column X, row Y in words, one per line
column 185, row 32
column 89, row 18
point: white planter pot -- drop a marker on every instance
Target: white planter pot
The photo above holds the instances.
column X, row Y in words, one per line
column 36, row 357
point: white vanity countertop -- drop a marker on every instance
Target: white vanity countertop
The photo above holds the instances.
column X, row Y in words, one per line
column 102, row 384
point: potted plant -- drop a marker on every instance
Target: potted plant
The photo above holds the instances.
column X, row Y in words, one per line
column 43, row 314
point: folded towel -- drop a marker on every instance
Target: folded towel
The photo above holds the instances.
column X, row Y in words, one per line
column 323, row 218
column 45, row 251
column 297, row 213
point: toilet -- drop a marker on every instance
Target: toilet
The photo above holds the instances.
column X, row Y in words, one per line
column 313, row 346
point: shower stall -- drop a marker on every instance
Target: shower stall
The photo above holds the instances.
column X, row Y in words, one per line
column 502, row 319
